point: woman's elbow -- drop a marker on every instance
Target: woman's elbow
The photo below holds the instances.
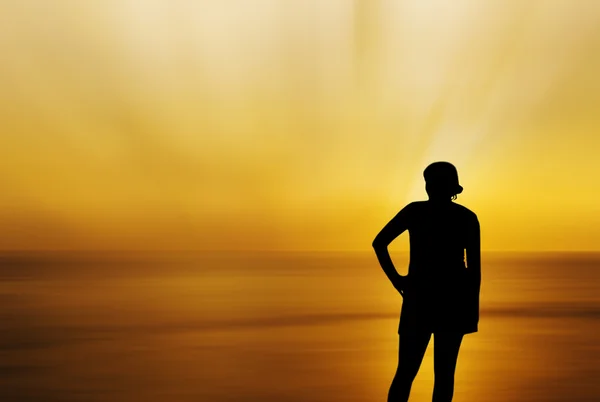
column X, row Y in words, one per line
column 379, row 243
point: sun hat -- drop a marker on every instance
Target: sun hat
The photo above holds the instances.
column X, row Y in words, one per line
column 443, row 174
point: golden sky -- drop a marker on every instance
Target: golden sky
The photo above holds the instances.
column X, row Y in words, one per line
column 301, row 124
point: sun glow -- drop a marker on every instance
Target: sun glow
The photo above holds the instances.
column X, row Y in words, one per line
column 302, row 125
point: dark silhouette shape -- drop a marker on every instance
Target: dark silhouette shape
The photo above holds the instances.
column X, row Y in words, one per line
column 440, row 292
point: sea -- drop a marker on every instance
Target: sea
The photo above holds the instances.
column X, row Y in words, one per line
column 284, row 326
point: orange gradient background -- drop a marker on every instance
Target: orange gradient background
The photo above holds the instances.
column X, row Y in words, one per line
column 190, row 190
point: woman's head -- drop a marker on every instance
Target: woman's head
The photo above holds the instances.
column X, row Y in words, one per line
column 441, row 180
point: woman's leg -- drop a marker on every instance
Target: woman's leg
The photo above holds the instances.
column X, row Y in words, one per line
column 411, row 349
column 445, row 354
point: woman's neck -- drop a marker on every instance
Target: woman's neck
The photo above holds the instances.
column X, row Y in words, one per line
column 439, row 200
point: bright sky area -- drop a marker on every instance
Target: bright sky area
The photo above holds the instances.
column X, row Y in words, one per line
column 271, row 124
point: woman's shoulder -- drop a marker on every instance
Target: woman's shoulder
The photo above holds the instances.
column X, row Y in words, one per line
column 465, row 211
column 416, row 206
column 425, row 208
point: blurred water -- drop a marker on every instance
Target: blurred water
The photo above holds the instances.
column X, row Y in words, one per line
column 280, row 327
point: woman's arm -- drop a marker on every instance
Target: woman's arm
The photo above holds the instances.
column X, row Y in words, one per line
column 473, row 250
column 393, row 229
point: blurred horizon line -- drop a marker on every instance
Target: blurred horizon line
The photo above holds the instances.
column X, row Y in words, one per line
column 274, row 250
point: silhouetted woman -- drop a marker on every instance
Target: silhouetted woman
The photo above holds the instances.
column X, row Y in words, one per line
column 440, row 292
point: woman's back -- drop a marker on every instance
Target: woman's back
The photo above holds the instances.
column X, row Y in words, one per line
column 439, row 293
column 439, row 234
